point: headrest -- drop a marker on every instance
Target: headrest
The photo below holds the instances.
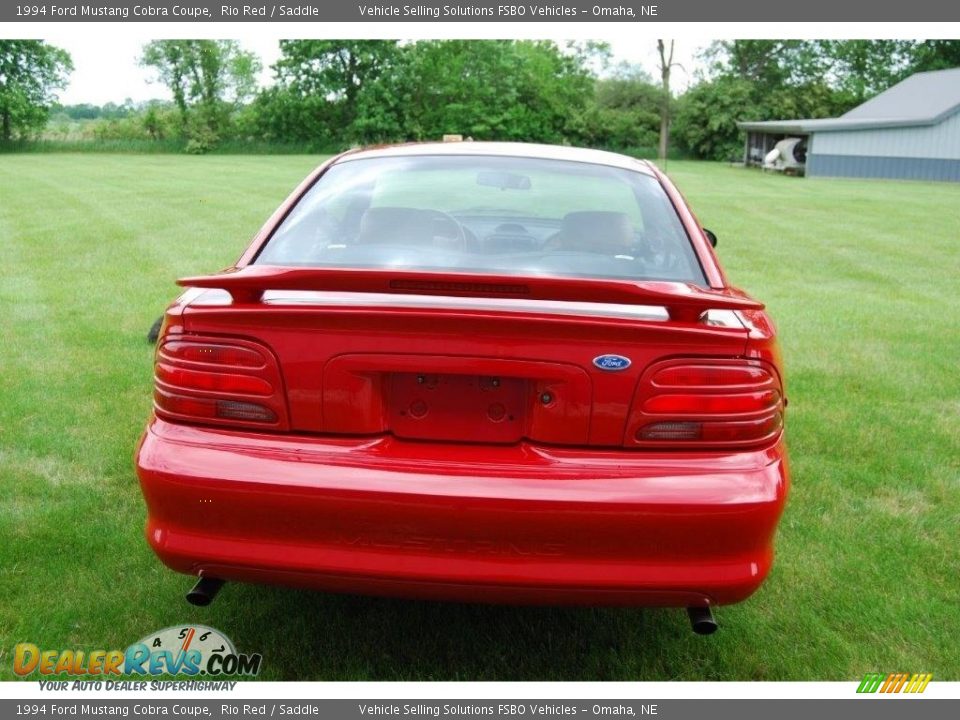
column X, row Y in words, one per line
column 396, row 225
column 596, row 231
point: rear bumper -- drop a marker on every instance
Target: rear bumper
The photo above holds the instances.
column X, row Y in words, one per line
column 518, row 524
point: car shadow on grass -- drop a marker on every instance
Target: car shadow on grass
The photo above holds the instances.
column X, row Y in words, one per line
column 306, row 635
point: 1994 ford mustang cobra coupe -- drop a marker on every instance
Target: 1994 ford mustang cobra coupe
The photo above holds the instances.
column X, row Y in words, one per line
column 472, row 371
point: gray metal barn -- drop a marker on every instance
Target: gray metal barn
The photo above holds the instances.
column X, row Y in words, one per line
column 911, row 131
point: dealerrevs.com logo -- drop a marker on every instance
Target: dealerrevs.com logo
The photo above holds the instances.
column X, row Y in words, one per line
column 178, row 650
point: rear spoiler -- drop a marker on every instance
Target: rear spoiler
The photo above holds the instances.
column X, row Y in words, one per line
column 684, row 302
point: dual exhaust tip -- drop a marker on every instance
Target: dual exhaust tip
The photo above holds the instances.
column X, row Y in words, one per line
column 203, row 593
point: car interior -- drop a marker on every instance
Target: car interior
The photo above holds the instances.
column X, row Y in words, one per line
column 365, row 226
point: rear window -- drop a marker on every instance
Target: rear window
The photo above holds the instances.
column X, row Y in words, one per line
column 498, row 215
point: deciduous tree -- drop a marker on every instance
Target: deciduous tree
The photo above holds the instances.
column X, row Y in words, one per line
column 31, row 71
column 208, row 80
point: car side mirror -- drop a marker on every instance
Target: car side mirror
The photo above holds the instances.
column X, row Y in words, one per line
column 711, row 236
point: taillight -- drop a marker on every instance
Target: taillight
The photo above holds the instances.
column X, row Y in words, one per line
column 214, row 354
column 699, row 403
column 688, row 403
column 220, row 382
column 225, row 382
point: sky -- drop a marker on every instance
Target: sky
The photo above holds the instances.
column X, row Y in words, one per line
column 109, row 72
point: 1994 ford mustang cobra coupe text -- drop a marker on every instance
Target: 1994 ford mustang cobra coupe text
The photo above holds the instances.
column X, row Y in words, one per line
column 472, row 371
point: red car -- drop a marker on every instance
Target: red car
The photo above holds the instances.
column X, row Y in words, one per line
column 472, row 371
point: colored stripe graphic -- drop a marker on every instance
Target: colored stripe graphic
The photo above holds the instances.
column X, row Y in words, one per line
column 919, row 682
column 894, row 683
column 898, row 681
column 871, row 683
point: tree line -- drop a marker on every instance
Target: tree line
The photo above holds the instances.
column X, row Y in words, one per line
column 328, row 95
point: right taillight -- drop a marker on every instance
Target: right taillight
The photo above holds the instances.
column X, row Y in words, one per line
column 220, row 382
column 699, row 403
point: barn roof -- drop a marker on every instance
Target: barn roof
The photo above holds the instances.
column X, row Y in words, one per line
column 925, row 98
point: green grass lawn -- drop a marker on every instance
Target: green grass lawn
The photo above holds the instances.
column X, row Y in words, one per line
column 862, row 278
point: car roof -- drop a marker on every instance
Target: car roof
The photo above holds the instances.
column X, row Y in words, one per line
column 502, row 149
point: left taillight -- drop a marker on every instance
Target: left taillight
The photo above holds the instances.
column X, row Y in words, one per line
column 694, row 403
column 216, row 381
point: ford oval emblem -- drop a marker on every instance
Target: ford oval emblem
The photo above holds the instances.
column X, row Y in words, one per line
column 612, row 363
